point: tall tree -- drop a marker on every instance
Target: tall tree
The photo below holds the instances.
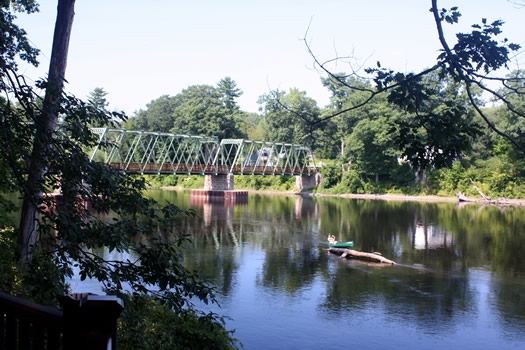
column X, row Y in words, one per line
column 341, row 99
column 158, row 115
column 196, row 110
column 200, row 111
column 287, row 116
column 229, row 91
column 371, row 147
column 97, row 98
column 45, row 126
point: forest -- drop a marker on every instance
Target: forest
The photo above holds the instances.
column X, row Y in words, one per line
column 443, row 148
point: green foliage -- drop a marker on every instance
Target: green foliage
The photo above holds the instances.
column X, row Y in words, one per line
column 158, row 115
column 353, row 182
column 276, row 183
column 370, row 147
column 14, row 44
column 190, row 181
column 8, row 270
column 197, row 110
column 157, row 181
column 331, row 174
column 41, row 280
column 97, row 98
column 288, row 117
column 148, row 324
column 229, row 92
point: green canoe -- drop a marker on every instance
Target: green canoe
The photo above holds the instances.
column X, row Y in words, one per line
column 348, row 244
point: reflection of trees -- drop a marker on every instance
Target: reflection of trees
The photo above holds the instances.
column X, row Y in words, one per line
column 288, row 235
column 433, row 289
column 471, row 236
column 292, row 269
column 430, row 298
column 510, row 305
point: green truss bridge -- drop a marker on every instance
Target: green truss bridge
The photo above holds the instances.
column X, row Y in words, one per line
column 146, row 152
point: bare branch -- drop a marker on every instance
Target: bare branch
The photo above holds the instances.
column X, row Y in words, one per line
column 489, row 122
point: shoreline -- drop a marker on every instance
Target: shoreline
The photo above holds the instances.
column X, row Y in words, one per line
column 387, row 197
column 370, row 196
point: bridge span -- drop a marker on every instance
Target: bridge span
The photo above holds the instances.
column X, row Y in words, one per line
column 160, row 153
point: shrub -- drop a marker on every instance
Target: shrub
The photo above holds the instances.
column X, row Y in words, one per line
column 331, row 175
column 148, row 324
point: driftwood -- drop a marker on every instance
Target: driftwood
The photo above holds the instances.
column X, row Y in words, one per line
column 462, row 198
column 350, row 253
column 485, row 197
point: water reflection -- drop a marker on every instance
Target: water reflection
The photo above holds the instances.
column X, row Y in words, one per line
column 461, row 272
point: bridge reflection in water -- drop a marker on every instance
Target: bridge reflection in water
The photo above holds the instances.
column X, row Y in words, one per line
column 224, row 226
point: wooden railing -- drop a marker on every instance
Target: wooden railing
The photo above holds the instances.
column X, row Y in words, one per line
column 86, row 322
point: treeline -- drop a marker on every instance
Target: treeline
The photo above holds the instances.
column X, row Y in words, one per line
column 431, row 141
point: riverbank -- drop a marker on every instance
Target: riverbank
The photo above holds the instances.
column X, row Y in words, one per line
column 391, row 197
column 370, row 196
column 386, row 197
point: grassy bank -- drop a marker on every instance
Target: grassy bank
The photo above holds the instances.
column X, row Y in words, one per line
column 242, row 182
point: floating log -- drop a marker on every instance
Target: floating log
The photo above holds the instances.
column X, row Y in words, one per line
column 354, row 254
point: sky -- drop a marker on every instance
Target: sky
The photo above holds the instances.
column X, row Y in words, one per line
column 139, row 50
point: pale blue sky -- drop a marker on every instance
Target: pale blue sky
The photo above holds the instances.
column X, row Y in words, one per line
column 138, row 50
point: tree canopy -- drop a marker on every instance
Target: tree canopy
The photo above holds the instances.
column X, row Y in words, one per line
column 197, row 110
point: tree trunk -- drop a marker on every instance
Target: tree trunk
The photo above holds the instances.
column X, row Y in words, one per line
column 45, row 127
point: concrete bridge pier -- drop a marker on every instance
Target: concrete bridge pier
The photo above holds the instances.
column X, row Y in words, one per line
column 223, row 182
column 220, row 188
column 306, row 182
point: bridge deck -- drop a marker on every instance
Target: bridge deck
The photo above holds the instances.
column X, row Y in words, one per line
column 198, row 169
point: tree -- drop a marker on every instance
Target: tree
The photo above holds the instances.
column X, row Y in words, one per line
column 470, row 63
column 97, row 98
column 196, row 110
column 45, row 126
column 59, row 233
column 371, row 148
column 441, row 128
column 158, row 115
column 229, row 91
column 342, row 98
column 200, row 111
column 287, row 116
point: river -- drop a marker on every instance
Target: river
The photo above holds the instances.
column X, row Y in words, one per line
column 459, row 282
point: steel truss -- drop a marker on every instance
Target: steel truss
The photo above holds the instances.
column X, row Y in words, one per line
column 146, row 152
column 247, row 157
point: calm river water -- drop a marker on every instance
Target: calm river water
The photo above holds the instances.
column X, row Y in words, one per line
column 459, row 284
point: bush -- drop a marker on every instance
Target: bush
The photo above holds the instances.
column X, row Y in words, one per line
column 331, row 175
column 352, row 182
column 276, row 183
column 148, row 324
column 8, row 269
